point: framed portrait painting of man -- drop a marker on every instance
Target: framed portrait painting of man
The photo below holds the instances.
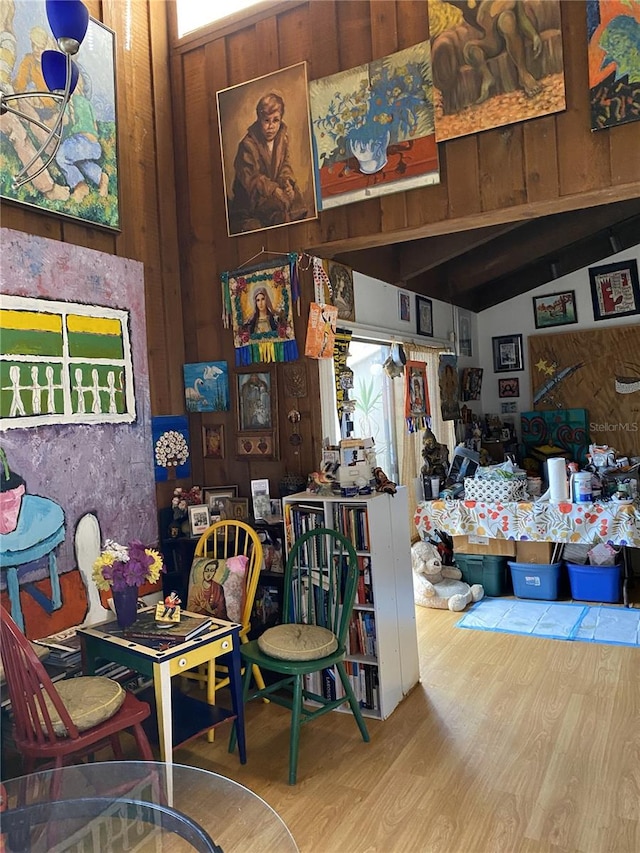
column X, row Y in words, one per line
column 256, row 401
column 267, row 159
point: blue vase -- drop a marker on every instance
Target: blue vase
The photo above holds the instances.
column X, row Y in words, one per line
column 125, row 602
column 371, row 154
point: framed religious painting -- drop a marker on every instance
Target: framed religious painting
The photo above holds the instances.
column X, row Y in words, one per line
column 267, row 120
column 614, row 290
column 81, row 181
column 213, row 441
column 507, row 353
column 256, row 396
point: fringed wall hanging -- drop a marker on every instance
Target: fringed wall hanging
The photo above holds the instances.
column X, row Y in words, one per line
column 257, row 303
column 417, row 410
column 449, row 387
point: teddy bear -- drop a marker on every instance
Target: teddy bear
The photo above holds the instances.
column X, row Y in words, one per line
column 435, row 585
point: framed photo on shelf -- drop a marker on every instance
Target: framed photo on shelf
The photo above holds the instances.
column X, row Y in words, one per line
column 507, row 353
column 216, row 497
column 404, row 306
column 509, row 387
column 199, row 519
column 555, row 309
column 238, row 509
column 424, row 316
column 213, row 441
column 615, row 291
column 256, row 401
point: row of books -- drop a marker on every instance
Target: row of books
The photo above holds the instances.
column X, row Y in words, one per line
column 352, row 522
column 361, row 639
column 363, row 678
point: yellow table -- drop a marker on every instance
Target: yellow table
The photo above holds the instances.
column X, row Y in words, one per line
column 105, row 642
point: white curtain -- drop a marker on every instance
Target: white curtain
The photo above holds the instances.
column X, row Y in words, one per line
column 410, row 443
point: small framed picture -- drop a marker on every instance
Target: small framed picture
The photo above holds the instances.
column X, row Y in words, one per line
column 615, row 291
column 261, row 445
column 464, row 333
column 238, row 509
column 555, row 309
column 507, row 353
column 256, row 401
column 404, row 306
column 199, row 519
column 216, row 498
column 213, row 441
column 509, row 387
column 424, row 316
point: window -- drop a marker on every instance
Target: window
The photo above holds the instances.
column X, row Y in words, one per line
column 192, row 15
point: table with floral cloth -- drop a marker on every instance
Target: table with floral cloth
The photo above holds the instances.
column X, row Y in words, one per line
column 585, row 523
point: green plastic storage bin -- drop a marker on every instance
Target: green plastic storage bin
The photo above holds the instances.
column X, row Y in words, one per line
column 490, row 570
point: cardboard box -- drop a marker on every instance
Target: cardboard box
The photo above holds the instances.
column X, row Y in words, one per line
column 534, row 552
column 484, row 545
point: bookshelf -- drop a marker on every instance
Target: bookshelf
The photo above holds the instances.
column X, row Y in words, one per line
column 382, row 651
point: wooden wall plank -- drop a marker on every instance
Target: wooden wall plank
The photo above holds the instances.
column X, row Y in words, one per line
column 541, row 158
column 624, row 147
column 502, row 167
column 461, row 158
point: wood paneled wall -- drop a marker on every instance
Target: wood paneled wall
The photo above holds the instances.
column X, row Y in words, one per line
column 167, row 99
column 516, row 172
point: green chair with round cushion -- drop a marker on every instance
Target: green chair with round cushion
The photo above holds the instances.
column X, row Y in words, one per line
column 321, row 577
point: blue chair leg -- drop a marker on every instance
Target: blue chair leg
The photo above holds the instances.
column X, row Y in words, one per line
column 246, row 680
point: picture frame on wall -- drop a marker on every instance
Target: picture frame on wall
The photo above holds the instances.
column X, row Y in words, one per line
column 509, row 387
column 261, row 445
column 256, row 401
column 507, row 353
column 424, row 316
column 555, row 309
column 404, row 306
column 83, row 188
column 213, row 441
column 464, row 333
column 240, row 110
column 615, row 291
column 199, row 519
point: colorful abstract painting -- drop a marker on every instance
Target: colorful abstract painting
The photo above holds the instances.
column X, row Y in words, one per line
column 76, row 420
column 494, row 63
column 81, row 181
column 373, row 128
column 206, row 386
column 613, row 30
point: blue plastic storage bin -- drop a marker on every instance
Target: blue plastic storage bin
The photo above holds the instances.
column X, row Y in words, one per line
column 533, row 580
column 595, row 583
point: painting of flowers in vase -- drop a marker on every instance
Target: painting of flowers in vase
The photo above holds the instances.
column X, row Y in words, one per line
column 373, row 128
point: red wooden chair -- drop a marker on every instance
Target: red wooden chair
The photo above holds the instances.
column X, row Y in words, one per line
column 62, row 723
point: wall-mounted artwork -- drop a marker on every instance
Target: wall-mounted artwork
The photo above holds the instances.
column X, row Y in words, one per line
column 494, row 63
column 171, row 447
column 206, row 386
column 555, row 309
column 88, row 474
column 613, row 30
column 213, row 441
column 373, row 128
column 81, row 182
column 597, row 370
column 449, row 387
column 267, row 161
column 471, row 383
column 615, row 290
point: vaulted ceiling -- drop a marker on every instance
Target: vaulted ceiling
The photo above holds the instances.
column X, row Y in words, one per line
column 480, row 268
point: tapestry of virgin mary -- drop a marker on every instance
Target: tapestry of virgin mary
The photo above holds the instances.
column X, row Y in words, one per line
column 258, row 303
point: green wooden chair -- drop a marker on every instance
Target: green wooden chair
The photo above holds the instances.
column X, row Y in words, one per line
column 320, row 583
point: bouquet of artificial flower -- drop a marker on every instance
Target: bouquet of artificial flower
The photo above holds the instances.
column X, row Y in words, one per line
column 182, row 499
column 119, row 566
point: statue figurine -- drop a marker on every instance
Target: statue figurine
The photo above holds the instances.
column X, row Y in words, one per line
column 435, row 456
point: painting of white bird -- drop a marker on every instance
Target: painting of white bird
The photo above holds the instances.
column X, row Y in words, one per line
column 206, row 386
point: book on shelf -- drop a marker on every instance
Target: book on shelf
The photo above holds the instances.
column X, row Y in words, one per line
column 147, row 628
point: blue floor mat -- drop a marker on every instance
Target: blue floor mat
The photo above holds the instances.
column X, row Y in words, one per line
column 555, row 620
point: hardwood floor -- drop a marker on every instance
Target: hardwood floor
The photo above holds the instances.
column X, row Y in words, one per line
column 508, row 745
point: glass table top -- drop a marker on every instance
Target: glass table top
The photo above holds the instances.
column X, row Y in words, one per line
column 138, row 806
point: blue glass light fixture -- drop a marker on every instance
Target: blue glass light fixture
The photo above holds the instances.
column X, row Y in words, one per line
column 68, row 20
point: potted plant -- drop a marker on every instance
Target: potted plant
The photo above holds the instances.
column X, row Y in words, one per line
column 12, row 488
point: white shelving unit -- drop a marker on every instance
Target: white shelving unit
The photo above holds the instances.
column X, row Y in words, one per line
column 378, row 526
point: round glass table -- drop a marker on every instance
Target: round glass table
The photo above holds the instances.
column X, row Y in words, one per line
column 137, row 805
